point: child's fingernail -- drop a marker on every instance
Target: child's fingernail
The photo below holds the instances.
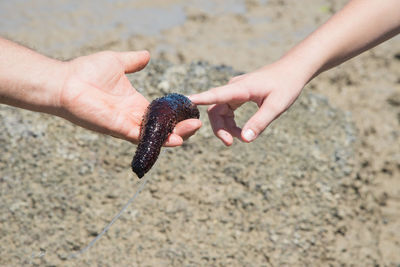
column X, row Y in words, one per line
column 249, row 135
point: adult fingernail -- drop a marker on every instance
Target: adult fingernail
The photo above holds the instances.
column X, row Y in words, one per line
column 249, row 135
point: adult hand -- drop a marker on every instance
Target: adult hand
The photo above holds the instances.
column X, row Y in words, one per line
column 98, row 95
column 273, row 88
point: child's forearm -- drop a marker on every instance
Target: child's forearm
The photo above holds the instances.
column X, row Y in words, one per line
column 359, row 26
column 29, row 80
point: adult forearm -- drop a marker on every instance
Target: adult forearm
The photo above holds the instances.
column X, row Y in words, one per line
column 359, row 26
column 29, row 80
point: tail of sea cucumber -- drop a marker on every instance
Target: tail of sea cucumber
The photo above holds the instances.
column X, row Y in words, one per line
column 145, row 157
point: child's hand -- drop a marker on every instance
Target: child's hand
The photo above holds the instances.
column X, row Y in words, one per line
column 273, row 88
column 359, row 26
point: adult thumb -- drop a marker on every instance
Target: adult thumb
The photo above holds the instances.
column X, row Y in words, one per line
column 134, row 60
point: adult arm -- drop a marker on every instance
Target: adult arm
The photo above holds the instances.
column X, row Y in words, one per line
column 91, row 91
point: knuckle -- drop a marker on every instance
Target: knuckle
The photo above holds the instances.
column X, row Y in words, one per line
column 233, row 79
column 211, row 109
column 276, row 107
column 107, row 53
column 214, row 92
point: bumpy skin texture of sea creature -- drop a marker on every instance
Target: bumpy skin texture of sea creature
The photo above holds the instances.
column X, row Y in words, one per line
column 160, row 119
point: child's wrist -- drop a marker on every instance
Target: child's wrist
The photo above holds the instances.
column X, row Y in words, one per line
column 297, row 69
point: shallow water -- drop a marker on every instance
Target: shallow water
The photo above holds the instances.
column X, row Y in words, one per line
column 82, row 22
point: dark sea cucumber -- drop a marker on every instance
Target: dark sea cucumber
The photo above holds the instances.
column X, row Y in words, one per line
column 160, row 119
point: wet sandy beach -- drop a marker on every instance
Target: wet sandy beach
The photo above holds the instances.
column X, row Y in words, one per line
column 250, row 205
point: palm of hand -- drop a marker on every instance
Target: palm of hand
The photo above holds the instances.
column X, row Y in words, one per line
column 97, row 95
